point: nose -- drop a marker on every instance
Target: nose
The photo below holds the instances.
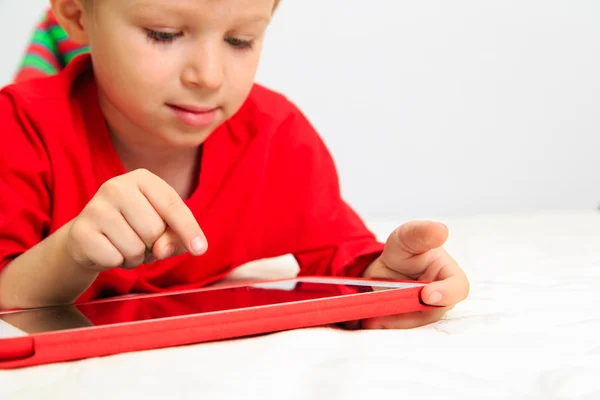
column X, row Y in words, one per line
column 204, row 67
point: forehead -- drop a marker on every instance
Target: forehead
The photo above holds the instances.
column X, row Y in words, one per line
column 189, row 12
column 191, row 6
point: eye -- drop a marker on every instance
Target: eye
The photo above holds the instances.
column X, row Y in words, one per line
column 162, row 37
column 239, row 43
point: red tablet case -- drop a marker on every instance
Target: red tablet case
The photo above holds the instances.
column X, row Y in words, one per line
column 70, row 345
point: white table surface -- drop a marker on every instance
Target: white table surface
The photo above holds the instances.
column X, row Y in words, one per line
column 529, row 330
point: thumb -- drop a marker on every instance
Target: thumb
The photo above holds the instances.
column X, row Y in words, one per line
column 169, row 245
column 412, row 239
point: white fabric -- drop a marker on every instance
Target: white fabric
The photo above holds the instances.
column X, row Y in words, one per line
column 529, row 330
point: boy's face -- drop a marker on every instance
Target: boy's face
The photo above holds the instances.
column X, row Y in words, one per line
column 169, row 72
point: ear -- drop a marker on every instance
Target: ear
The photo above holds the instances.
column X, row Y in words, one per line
column 70, row 14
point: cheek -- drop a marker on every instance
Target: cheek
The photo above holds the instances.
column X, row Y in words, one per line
column 132, row 70
column 241, row 76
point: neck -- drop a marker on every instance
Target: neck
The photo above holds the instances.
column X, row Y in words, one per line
column 176, row 166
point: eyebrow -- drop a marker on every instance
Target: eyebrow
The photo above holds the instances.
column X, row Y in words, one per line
column 256, row 18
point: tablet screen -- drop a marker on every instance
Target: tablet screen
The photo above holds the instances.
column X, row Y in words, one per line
column 124, row 310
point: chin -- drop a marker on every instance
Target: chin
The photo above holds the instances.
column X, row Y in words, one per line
column 186, row 139
column 174, row 134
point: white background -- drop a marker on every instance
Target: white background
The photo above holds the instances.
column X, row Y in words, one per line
column 433, row 107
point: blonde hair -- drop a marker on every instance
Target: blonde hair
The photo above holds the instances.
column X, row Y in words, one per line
column 86, row 3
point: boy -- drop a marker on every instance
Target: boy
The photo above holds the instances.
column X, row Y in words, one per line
column 126, row 165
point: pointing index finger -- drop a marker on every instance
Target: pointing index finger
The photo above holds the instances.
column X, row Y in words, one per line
column 169, row 205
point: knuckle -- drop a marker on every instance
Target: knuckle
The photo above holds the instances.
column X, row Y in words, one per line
column 78, row 242
column 174, row 203
column 156, row 230
column 77, row 231
column 113, row 189
column 407, row 238
column 141, row 173
column 107, row 259
column 135, row 251
column 400, row 234
column 95, row 211
column 115, row 261
column 176, row 208
column 140, row 250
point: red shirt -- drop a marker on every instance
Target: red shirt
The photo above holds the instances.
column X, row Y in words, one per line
column 268, row 186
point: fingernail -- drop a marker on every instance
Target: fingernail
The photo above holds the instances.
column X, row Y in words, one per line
column 435, row 298
column 168, row 251
column 199, row 245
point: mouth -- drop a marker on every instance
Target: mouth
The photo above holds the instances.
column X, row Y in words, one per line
column 193, row 115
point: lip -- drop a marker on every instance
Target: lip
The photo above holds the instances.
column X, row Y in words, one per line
column 193, row 115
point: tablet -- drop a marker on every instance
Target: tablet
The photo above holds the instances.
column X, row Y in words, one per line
column 136, row 323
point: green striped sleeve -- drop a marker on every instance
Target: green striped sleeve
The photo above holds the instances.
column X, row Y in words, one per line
column 41, row 37
column 71, row 55
column 57, row 33
column 35, row 61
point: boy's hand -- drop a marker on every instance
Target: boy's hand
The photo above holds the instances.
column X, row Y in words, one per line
column 134, row 219
column 414, row 252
